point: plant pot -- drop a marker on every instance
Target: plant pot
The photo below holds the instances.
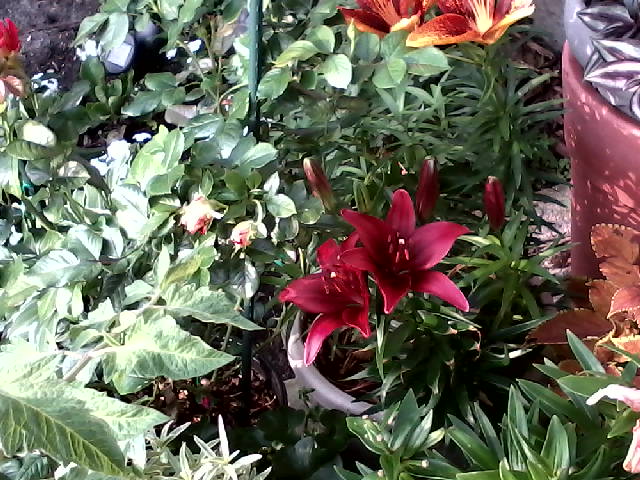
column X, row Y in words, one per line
column 324, row 393
column 578, row 34
column 603, row 144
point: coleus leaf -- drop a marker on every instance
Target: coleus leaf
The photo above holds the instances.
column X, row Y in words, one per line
column 601, row 293
column 625, row 300
column 607, row 20
column 620, row 247
column 612, row 50
column 618, row 74
column 583, row 323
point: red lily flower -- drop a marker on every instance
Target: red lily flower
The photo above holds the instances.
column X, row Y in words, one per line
column 385, row 16
column 9, row 39
column 481, row 21
column 339, row 293
column 400, row 256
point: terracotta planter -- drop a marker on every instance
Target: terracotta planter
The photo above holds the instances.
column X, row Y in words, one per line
column 604, row 147
column 324, row 393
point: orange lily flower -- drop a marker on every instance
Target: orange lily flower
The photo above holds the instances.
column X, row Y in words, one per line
column 483, row 21
column 385, row 16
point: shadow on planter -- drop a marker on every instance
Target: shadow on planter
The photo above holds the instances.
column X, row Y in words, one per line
column 604, row 146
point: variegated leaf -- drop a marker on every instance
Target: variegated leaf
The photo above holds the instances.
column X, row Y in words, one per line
column 634, row 104
column 615, row 74
column 612, row 50
column 607, row 19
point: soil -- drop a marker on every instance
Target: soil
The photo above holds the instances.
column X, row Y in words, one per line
column 47, row 30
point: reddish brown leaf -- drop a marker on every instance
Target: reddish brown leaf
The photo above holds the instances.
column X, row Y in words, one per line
column 615, row 241
column 600, row 294
column 629, row 344
column 583, row 323
column 620, row 272
column 625, row 300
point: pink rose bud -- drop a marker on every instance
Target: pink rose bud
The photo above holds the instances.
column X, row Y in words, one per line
column 428, row 189
column 494, row 202
column 243, row 234
column 319, row 183
column 198, row 215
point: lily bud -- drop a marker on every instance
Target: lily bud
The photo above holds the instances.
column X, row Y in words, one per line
column 319, row 183
column 198, row 215
column 243, row 234
column 10, row 84
column 494, row 202
column 428, row 189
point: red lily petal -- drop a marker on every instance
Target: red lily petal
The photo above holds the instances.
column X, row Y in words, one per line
column 309, row 294
column 328, row 254
column 392, row 287
column 358, row 319
column 459, row 7
column 502, row 9
column 443, row 30
column 350, row 242
column 366, row 21
column 358, row 258
column 438, row 284
column 372, row 231
column 320, row 329
column 427, row 4
column 401, row 216
column 430, row 243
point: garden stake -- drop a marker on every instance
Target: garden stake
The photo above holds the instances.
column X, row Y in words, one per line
column 255, row 59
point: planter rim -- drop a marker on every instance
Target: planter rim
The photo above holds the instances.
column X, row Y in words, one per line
column 575, row 70
column 324, row 392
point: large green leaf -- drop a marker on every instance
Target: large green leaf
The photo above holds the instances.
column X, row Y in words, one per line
column 206, row 305
column 54, row 420
column 60, row 267
column 156, row 167
column 159, row 348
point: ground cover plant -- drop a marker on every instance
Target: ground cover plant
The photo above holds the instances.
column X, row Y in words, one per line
column 363, row 169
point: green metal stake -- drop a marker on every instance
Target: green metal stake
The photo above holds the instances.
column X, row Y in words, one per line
column 255, row 72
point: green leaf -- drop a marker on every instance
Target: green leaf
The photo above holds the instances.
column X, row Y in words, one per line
column 188, row 10
column 585, row 357
column 159, row 348
column 182, row 270
column 160, row 81
column 88, row 26
column 256, row 157
column 323, row 38
column 586, row 386
column 156, row 167
column 427, row 61
column 405, row 421
column 58, row 268
column 393, row 45
column 556, row 446
column 552, row 404
column 37, row 133
column 24, row 150
column 471, row 445
column 169, row 9
column 274, row 83
column 337, row 70
column 389, row 74
column 142, row 103
column 52, row 419
column 206, row 305
column 367, row 47
column 116, row 31
column 9, row 175
column 298, row 50
column 280, row 206
column 132, row 209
